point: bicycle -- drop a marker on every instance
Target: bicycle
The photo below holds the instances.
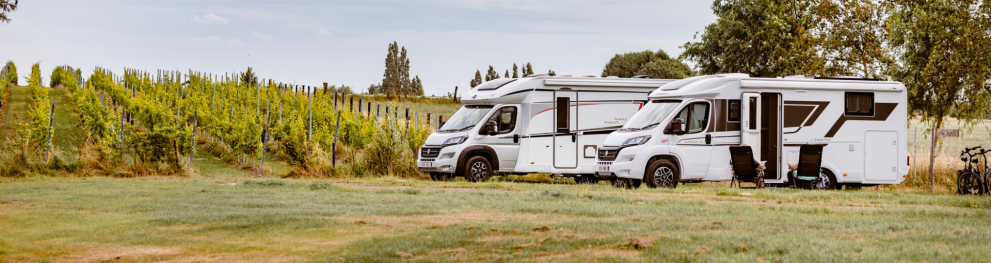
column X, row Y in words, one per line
column 970, row 181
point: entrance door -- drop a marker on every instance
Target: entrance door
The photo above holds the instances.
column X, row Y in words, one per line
column 881, row 155
column 771, row 118
column 750, row 122
column 565, row 129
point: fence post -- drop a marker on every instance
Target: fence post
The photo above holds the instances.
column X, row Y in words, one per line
column 440, row 121
column 932, row 159
column 428, row 120
column 192, row 143
column 333, row 147
column 455, row 97
column 51, row 121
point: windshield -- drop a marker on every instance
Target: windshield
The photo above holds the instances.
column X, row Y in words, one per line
column 466, row 118
column 651, row 114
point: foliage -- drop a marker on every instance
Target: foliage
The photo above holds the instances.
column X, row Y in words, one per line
column 39, row 107
column 396, row 80
column 945, row 64
column 11, row 72
column 655, row 64
column 856, row 37
column 765, row 38
column 491, row 74
column 477, row 80
column 7, row 6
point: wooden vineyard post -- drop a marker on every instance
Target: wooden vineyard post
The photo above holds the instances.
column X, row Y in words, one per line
column 192, row 142
column 428, row 120
column 333, row 147
column 932, row 158
column 440, row 121
column 369, row 109
column 51, row 121
column 455, row 97
column 406, row 119
column 360, row 102
column 325, row 88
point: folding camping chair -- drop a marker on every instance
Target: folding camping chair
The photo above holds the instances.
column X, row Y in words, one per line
column 809, row 172
column 744, row 166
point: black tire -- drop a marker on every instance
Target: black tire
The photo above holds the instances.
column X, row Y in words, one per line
column 661, row 173
column 477, row 169
column 635, row 183
column 620, row 183
column 435, row 176
column 828, row 181
column 969, row 183
column 586, row 179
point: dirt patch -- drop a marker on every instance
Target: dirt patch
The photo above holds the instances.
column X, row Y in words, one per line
column 122, row 253
column 497, row 238
column 236, row 257
column 588, row 253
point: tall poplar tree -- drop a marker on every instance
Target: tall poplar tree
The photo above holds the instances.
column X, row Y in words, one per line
column 514, row 71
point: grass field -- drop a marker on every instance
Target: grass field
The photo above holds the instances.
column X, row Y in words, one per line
column 388, row 219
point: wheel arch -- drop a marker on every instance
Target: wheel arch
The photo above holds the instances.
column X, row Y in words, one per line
column 479, row 150
column 672, row 158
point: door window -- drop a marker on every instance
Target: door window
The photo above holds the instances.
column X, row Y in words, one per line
column 505, row 118
column 696, row 116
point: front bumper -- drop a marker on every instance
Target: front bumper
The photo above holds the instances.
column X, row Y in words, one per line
column 445, row 162
column 630, row 163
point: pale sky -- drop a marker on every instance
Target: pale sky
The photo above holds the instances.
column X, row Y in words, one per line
column 345, row 42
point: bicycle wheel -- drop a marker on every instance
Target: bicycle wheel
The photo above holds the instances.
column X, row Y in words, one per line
column 969, row 183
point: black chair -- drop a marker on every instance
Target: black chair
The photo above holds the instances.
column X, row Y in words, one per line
column 809, row 169
column 744, row 166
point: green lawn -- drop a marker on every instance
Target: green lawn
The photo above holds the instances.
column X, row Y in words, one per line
column 388, row 219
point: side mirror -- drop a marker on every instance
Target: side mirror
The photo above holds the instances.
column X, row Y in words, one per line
column 491, row 128
column 676, row 127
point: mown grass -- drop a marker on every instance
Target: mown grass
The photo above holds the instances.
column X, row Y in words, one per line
column 392, row 219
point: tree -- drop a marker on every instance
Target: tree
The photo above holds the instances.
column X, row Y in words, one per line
column 507, row 74
column 551, row 72
column 375, row 88
column 7, row 6
column 492, row 74
column 11, row 72
column 657, row 65
column 943, row 48
column 765, row 38
column 396, row 79
column 856, row 38
column 514, row 71
column 477, row 80
column 249, row 77
column 528, row 71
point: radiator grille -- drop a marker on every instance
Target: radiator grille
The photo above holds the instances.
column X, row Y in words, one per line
column 607, row 155
column 429, row 152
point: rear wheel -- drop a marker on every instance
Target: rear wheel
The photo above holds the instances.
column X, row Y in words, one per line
column 828, row 181
column 969, row 183
column 478, row 169
column 661, row 173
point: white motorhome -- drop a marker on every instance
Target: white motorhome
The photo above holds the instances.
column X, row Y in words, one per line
column 684, row 132
column 536, row 124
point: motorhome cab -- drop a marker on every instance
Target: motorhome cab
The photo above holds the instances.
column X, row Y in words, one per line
column 685, row 130
column 536, row 124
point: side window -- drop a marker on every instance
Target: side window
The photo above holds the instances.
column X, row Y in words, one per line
column 734, row 110
column 505, row 118
column 696, row 117
column 859, row 104
column 753, row 113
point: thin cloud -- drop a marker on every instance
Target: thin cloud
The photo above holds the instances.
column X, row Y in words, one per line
column 321, row 32
column 261, row 35
column 206, row 39
column 209, row 18
column 235, row 42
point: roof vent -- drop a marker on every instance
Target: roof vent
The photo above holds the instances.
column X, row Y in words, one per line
column 536, row 75
column 641, row 77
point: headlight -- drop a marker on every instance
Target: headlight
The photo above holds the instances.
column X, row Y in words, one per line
column 455, row 140
column 636, row 141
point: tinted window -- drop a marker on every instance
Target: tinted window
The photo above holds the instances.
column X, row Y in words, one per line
column 563, row 106
column 734, row 110
column 505, row 118
column 860, row 103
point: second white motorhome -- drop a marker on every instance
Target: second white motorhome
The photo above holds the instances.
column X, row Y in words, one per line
column 684, row 132
column 536, row 124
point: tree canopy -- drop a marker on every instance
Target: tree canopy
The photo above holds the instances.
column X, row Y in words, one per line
column 396, row 80
column 655, row 64
column 6, row 7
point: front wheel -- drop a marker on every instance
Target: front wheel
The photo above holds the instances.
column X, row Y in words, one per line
column 661, row 173
column 969, row 183
column 478, row 169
